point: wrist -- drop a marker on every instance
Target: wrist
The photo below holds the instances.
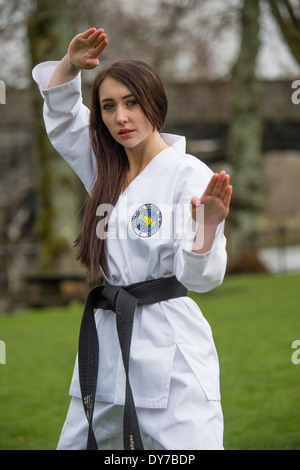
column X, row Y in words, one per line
column 64, row 72
column 71, row 67
column 210, row 226
column 204, row 237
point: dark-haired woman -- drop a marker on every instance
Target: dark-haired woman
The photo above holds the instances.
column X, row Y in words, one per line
column 150, row 188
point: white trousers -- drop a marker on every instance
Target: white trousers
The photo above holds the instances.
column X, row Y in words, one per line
column 190, row 421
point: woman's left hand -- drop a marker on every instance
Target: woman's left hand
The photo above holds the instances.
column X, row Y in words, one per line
column 216, row 200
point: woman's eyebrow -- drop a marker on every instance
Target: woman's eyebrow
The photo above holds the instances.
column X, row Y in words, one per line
column 111, row 99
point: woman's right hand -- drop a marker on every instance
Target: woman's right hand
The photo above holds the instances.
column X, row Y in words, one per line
column 83, row 53
column 85, row 48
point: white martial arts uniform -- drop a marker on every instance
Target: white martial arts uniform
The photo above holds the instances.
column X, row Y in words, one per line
column 174, row 371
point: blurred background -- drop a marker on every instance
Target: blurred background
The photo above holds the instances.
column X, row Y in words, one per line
column 232, row 75
column 229, row 67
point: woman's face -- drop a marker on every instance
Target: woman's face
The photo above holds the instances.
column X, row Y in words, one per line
column 122, row 114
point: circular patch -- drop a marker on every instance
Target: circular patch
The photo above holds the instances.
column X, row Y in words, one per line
column 146, row 220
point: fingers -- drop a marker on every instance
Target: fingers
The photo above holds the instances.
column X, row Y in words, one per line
column 218, row 188
column 217, row 185
column 222, row 188
column 87, row 33
column 95, row 36
column 211, row 185
column 97, row 42
column 101, row 45
column 221, row 184
column 227, row 196
column 195, row 201
column 92, row 62
column 93, row 42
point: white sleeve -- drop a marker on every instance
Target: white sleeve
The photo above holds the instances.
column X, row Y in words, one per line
column 197, row 272
column 67, row 122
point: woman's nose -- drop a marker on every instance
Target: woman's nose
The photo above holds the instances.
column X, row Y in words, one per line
column 121, row 115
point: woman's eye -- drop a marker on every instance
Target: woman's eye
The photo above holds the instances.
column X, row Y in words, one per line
column 132, row 102
column 108, row 107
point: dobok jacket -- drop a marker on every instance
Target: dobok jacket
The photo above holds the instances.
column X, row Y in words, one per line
column 150, row 235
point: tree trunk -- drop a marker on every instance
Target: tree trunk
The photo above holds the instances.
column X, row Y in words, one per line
column 50, row 31
column 245, row 138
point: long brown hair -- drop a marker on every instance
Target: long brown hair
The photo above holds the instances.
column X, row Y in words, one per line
column 112, row 162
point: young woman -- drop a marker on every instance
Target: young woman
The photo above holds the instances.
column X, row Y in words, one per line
column 141, row 223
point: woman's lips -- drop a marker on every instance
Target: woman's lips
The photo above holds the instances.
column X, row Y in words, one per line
column 123, row 133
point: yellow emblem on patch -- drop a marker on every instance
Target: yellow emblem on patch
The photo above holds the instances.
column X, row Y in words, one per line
column 146, row 220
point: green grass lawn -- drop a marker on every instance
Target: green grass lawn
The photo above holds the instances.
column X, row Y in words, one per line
column 254, row 319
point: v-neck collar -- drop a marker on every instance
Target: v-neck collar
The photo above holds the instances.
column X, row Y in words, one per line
column 175, row 142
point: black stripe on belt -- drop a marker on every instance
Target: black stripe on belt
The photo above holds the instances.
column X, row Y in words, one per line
column 122, row 301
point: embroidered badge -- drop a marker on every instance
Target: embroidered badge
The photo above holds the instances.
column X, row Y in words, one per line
column 146, row 220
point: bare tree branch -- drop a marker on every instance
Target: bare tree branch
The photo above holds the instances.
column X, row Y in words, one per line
column 288, row 20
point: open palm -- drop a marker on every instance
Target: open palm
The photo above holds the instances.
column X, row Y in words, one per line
column 216, row 199
column 86, row 47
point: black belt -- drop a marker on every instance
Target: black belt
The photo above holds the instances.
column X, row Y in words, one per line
column 123, row 301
